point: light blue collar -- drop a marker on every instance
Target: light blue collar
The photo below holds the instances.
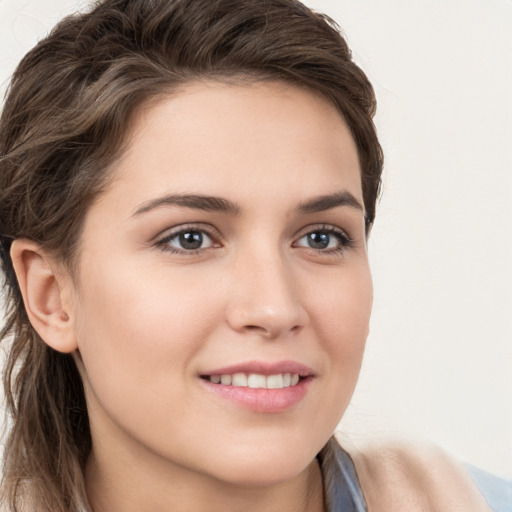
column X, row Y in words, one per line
column 341, row 487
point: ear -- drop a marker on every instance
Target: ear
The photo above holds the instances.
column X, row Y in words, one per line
column 47, row 292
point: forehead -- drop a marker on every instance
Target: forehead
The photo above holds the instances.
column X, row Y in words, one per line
column 223, row 137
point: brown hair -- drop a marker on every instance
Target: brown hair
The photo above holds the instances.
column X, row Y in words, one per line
column 64, row 121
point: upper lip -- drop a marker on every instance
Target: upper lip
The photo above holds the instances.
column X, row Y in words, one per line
column 263, row 368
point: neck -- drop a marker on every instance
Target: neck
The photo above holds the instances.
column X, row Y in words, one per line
column 117, row 482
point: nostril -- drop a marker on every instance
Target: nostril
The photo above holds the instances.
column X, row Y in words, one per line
column 267, row 320
column 258, row 329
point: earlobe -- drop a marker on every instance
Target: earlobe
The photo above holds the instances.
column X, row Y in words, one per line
column 45, row 295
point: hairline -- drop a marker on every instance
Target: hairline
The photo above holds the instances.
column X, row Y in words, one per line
column 149, row 101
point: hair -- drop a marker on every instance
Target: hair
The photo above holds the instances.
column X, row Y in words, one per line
column 64, row 122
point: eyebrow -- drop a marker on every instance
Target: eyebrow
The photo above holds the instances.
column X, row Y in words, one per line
column 222, row 205
column 326, row 202
column 198, row 202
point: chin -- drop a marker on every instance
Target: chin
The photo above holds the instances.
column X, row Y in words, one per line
column 269, row 473
column 263, row 464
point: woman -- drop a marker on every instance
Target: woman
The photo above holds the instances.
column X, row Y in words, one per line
column 187, row 188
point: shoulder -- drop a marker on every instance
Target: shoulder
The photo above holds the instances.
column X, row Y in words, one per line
column 404, row 476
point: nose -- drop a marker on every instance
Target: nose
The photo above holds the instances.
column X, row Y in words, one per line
column 265, row 299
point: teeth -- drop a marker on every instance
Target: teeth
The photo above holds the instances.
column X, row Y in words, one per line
column 256, row 380
column 275, row 381
column 239, row 379
column 225, row 379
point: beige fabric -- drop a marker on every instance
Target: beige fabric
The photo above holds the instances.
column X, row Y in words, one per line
column 403, row 477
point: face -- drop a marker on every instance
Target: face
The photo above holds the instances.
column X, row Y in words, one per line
column 224, row 293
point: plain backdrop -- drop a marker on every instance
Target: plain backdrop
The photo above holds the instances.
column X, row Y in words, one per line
column 439, row 358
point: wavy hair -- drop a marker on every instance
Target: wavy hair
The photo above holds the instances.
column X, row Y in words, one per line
column 64, row 121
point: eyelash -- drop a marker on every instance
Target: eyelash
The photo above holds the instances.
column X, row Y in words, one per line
column 344, row 241
column 164, row 243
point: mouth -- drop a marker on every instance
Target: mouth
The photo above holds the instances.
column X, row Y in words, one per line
column 261, row 387
column 256, row 380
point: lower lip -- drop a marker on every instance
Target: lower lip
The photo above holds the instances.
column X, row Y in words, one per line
column 261, row 400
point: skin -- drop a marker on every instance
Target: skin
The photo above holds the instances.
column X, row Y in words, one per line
column 146, row 322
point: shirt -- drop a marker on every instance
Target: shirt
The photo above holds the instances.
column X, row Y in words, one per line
column 343, row 492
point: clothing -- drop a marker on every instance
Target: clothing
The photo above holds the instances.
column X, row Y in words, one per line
column 341, row 486
column 344, row 492
column 496, row 491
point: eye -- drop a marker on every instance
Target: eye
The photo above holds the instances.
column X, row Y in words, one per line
column 186, row 240
column 327, row 239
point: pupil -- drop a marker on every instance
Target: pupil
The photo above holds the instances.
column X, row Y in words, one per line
column 191, row 240
column 318, row 240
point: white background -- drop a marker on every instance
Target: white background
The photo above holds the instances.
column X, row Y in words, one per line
column 439, row 357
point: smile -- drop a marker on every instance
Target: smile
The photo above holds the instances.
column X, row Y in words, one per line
column 256, row 380
column 260, row 386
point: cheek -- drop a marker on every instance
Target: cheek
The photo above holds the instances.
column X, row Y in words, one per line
column 341, row 316
column 137, row 335
column 342, row 311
